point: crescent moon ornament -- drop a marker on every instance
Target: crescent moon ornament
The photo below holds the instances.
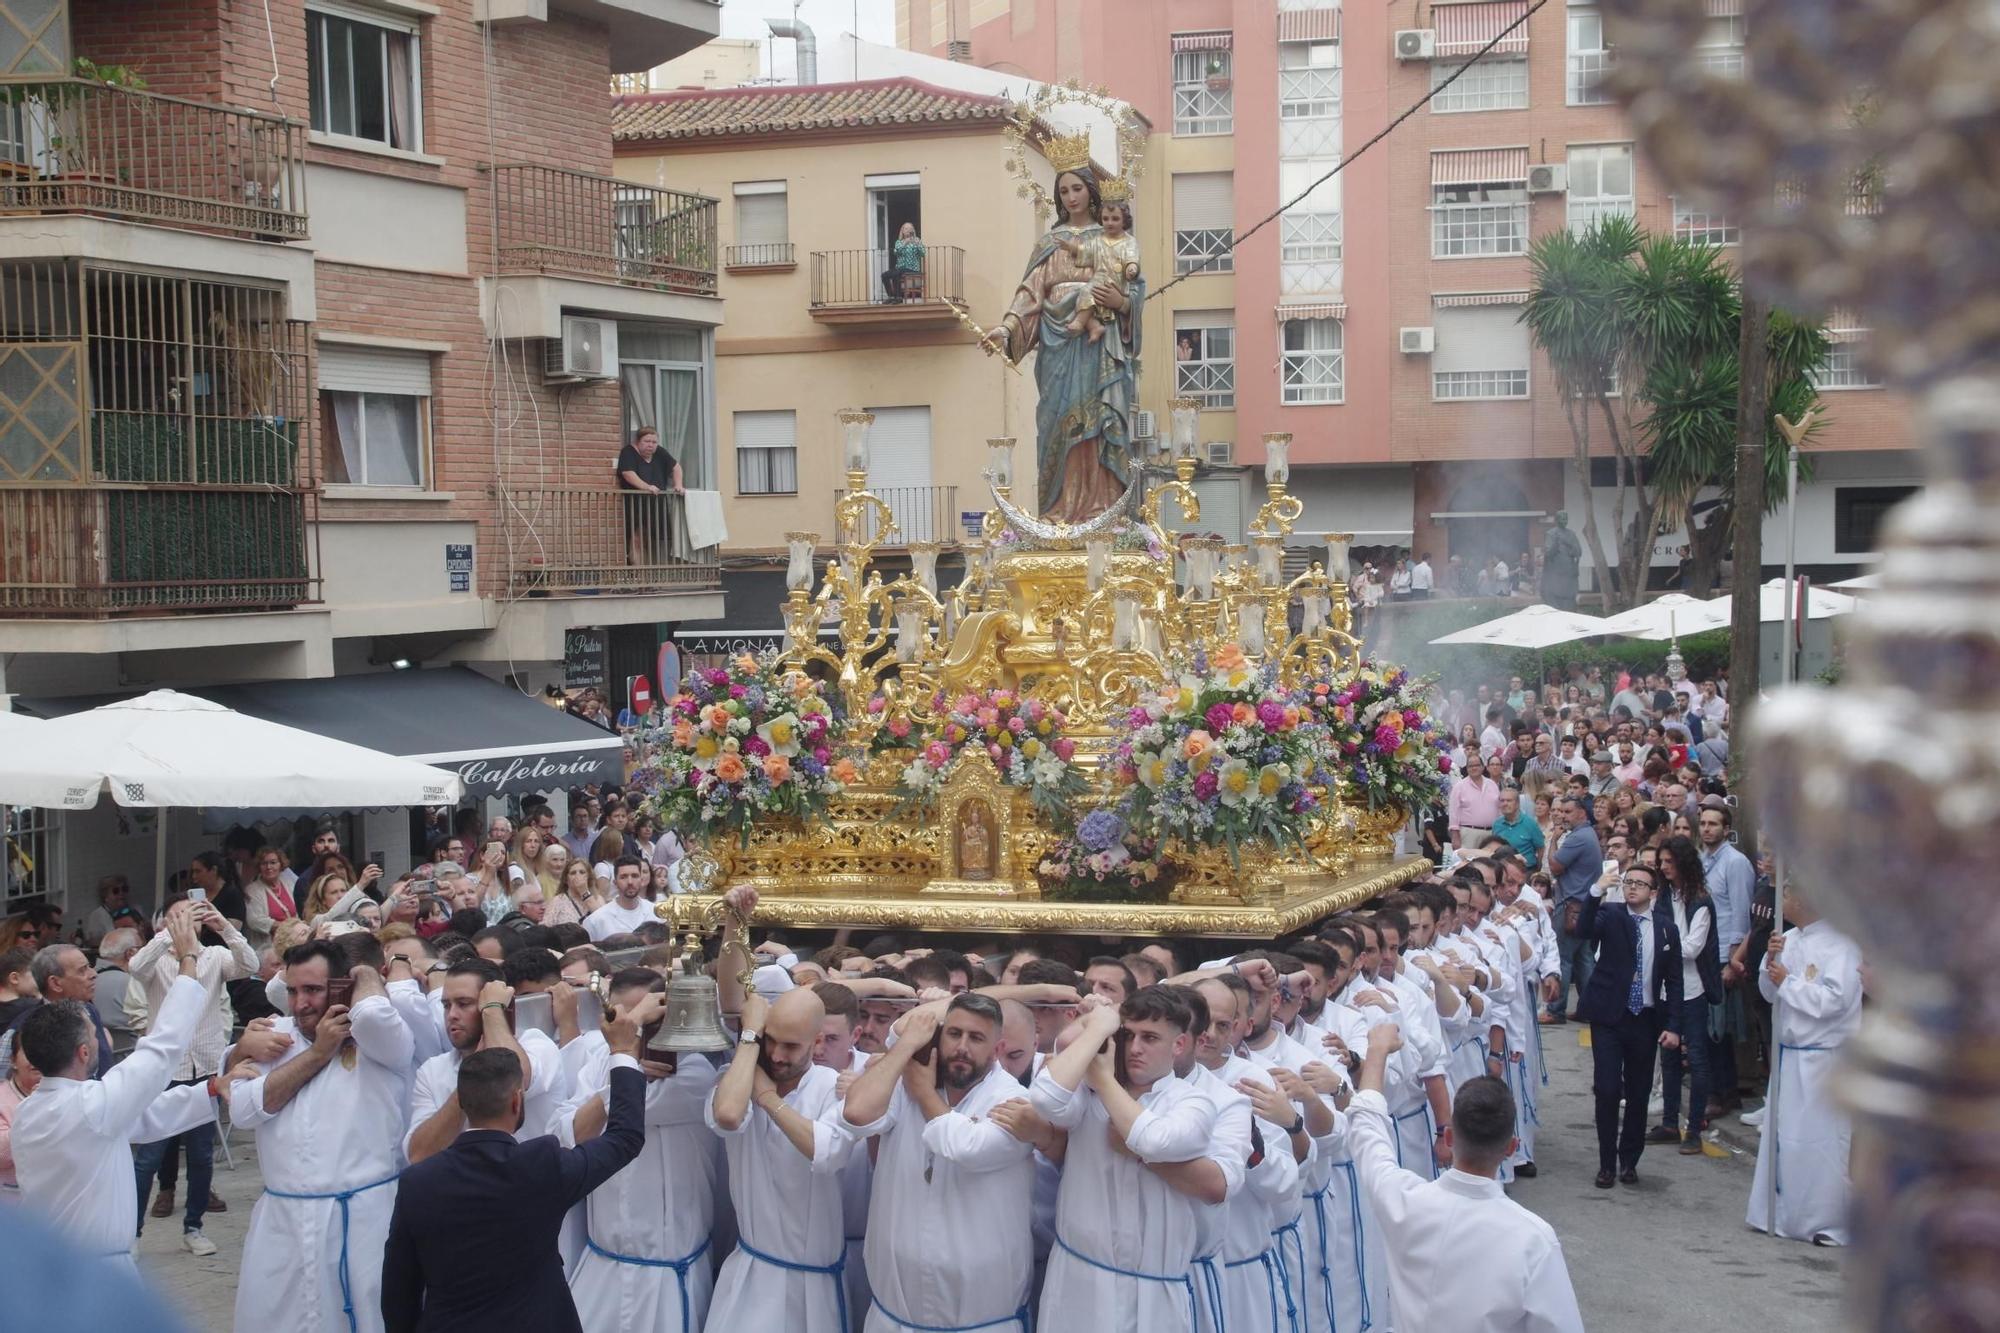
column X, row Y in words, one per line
column 1065, row 533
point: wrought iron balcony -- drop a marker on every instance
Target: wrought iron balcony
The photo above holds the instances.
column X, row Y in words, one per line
column 602, row 229
column 865, row 287
column 923, row 513
column 80, row 146
column 592, row 539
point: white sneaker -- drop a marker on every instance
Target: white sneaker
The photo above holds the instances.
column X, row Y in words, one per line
column 1754, row 1119
column 200, row 1246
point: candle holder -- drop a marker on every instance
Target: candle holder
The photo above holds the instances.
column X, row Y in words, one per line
column 1277, row 458
column 1000, row 462
column 1269, row 558
column 923, row 564
column 1096, row 559
column 799, row 566
column 854, row 426
column 1338, row 544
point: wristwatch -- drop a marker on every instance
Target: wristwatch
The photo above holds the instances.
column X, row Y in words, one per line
column 749, row 1037
column 1299, row 1125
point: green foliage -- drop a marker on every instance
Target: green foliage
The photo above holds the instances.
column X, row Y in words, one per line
column 237, row 547
column 216, row 451
column 1704, row 653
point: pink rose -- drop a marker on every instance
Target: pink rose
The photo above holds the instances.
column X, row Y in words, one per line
column 1444, row 763
column 1205, row 785
column 754, row 745
column 1064, row 748
column 1138, row 717
column 899, row 727
column 1017, row 724
column 937, row 754
column 994, row 752
column 1272, row 714
column 1219, row 717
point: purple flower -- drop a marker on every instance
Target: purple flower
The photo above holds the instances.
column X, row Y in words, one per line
column 1205, row 785
column 1219, row 719
column 1387, row 739
column 1412, row 718
column 717, row 677
column 1272, row 714
column 1100, row 830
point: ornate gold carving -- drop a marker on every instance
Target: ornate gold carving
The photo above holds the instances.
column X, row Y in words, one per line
column 974, row 826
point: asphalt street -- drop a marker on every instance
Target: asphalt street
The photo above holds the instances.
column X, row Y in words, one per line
column 1669, row 1252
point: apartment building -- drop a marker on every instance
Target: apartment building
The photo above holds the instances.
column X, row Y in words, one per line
column 1377, row 321
column 321, row 326
column 816, row 184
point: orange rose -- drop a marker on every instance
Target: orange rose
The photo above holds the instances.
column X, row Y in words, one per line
column 845, row 772
column 1196, row 744
column 746, row 664
column 1228, row 657
column 717, row 718
column 729, row 768
column 777, row 768
column 1243, row 713
column 683, row 733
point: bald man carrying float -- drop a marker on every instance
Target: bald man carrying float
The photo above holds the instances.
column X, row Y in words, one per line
column 780, row 1119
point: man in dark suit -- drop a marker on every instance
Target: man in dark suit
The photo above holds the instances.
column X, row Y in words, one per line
column 472, row 1243
column 1631, row 1002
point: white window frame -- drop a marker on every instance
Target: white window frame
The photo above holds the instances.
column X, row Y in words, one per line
column 1203, row 249
column 1845, row 371
column 1720, row 50
column 1497, row 83
column 423, row 416
column 1211, row 374
column 389, row 22
column 1480, row 381
column 1309, row 91
column 1312, row 374
column 1482, row 223
column 1584, row 209
column 743, row 190
column 1586, row 65
column 1199, row 110
column 1700, row 226
column 768, row 452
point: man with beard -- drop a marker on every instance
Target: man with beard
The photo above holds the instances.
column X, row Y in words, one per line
column 948, row 1234
column 475, row 1019
column 645, row 1267
column 326, row 1111
column 779, row 1116
column 1125, row 1235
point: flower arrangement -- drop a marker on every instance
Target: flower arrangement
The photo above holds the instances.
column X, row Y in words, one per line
column 1022, row 736
column 1226, row 758
column 1388, row 747
column 745, row 743
column 892, row 730
column 1105, row 859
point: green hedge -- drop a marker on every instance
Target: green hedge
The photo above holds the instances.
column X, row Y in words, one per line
column 249, row 547
column 1406, row 631
column 131, row 446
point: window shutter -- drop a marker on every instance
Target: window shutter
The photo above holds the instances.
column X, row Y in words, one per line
column 1204, row 201
column 762, row 219
column 1204, row 319
column 899, row 447
column 374, row 370
column 767, row 430
column 1480, row 338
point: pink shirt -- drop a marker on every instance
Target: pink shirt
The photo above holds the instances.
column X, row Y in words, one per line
column 10, row 1101
column 1474, row 803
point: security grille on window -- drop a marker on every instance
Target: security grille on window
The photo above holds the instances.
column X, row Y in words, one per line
column 28, row 869
column 1600, row 183
column 1204, row 101
column 1481, row 352
column 1205, row 357
column 767, row 454
column 375, row 409
column 1308, row 99
column 1858, row 514
column 364, row 75
column 1589, row 59
column 1309, row 236
column 1488, row 85
column 1204, row 207
column 1846, row 365
column 1479, row 202
column 1701, row 226
column 763, row 223
column 1314, row 367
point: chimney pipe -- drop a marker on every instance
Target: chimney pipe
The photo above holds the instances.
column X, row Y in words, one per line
column 808, row 52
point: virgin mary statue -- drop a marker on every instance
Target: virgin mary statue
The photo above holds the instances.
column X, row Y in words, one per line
column 1086, row 370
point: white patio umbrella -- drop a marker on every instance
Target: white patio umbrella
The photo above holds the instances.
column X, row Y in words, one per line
column 169, row 749
column 1667, row 617
column 1820, row 604
column 1536, row 626
column 1859, row 583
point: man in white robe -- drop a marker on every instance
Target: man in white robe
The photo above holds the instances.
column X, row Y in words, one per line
column 73, row 1135
column 328, row 1114
column 1812, row 977
column 1463, row 1257
column 1125, row 1235
column 475, row 1018
column 1230, row 1152
column 780, row 1120
column 646, row 1266
column 950, row 1242
column 835, row 1050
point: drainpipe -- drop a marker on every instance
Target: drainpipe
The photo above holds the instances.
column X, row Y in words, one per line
column 808, row 52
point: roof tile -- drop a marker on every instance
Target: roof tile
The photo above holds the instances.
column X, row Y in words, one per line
column 745, row 112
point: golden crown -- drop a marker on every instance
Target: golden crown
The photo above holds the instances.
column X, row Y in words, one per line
column 1067, row 152
column 1114, row 190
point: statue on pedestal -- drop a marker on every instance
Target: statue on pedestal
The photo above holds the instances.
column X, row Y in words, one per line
column 1078, row 308
column 1561, row 553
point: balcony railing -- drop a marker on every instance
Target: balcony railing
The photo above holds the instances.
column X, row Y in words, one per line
column 870, row 277
column 574, row 224
column 80, row 146
column 772, row 254
column 601, row 539
column 923, row 513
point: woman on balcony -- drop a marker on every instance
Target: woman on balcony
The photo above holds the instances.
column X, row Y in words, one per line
column 905, row 279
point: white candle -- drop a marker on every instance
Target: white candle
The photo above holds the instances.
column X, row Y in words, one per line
column 1096, row 558
column 799, row 569
column 854, row 436
column 1000, row 461
column 1277, row 458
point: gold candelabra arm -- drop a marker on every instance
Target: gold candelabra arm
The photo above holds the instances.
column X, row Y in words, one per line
column 851, row 509
column 1279, row 513
column 1181, row 491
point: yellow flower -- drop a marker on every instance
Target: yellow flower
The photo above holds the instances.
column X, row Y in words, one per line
column 1031, row 747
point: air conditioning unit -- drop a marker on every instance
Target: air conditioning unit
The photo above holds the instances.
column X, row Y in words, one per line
column 1416, row 44
column 1222, row 453
column 1143, row 425
column 587, row 350
column 1418, row 341
column 1548, row 178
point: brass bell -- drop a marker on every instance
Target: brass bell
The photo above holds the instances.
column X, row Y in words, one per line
column 693, row 1021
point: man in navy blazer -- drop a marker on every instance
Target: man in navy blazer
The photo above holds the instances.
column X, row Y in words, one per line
column 472, row 1242
column 1631, row 1002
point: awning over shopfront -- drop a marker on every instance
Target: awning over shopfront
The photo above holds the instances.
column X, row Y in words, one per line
column 498, row 740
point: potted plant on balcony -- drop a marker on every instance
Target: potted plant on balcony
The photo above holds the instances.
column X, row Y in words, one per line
column 1218, row 75
column 44, row 125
